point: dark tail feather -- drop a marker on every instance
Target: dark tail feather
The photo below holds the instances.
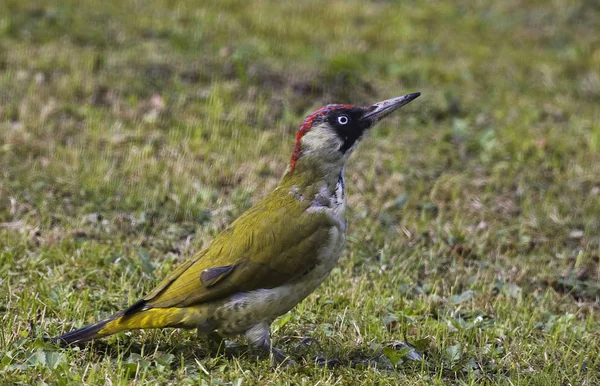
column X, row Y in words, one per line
column 145, row 318
column 81, row 335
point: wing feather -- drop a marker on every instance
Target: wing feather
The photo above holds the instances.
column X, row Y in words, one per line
column 272, row 243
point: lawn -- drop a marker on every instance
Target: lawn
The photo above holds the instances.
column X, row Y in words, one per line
column 132, row 132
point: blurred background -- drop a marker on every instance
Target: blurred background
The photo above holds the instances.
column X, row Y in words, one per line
column 131, row 132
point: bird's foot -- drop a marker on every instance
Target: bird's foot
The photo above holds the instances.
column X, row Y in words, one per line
column 280, row 359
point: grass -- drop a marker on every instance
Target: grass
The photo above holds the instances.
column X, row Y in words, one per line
column 130, row 134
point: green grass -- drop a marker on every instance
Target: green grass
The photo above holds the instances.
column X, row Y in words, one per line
column 130, row 134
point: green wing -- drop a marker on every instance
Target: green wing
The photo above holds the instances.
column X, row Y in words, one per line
column 272, row 243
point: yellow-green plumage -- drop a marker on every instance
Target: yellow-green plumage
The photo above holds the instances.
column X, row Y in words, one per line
column 271, row 244
column 262, row 257
column 273, row 255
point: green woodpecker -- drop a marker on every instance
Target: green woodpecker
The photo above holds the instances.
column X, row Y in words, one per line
column 272, row 256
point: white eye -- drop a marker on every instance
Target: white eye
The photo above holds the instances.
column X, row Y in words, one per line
column 342, row 119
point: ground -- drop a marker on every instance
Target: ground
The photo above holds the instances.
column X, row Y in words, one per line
column 132, row 132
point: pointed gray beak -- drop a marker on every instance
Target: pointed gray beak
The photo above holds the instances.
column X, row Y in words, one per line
column 384, row 108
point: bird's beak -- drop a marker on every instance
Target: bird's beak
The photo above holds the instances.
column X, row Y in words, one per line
column 384, row 108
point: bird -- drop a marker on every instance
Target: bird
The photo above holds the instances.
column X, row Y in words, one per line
column 271, row 257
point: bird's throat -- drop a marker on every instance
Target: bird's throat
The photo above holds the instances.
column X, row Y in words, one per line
column 319, row 191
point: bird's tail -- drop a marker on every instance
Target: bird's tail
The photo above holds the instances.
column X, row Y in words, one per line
column 83, row 334
column 150, row 318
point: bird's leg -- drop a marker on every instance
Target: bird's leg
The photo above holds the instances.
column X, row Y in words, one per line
column 259, row 337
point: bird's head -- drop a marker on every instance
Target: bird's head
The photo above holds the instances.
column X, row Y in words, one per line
column 329, row 135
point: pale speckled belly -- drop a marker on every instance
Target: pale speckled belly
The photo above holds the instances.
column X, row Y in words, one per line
column 243, row 310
